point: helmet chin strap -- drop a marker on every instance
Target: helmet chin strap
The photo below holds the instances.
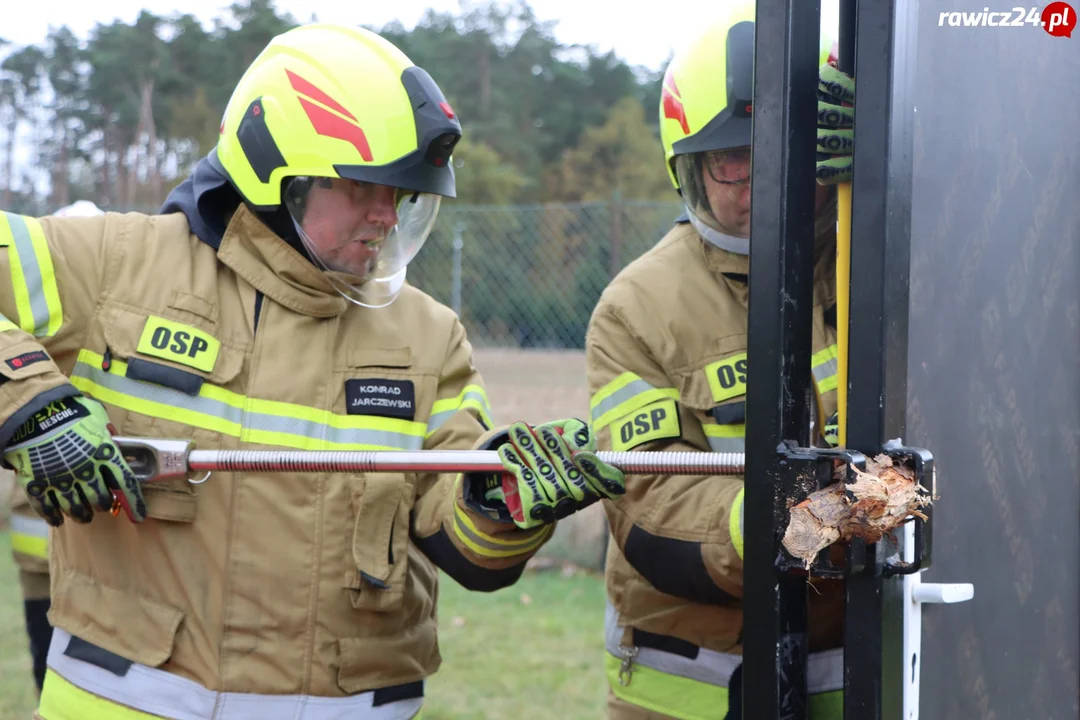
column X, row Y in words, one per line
column 737, row 245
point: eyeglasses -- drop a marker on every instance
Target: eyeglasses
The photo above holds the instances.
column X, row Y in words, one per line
column 729, row 167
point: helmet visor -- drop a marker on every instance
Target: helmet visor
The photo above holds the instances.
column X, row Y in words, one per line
column 361, row 235
column 716, row 187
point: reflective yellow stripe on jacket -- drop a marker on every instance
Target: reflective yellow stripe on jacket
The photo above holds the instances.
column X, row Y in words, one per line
column 736, row 523
column 267, row 422
column 78, row 690
column 622, row 396
column 493, row 547
column 824, row 365
column 628, row 393
column 30, row 536
column 726, row 438
column 473, row 396
column 33, row 281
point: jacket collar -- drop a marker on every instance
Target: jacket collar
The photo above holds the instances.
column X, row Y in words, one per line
column 737, row 267
column 275, row 269
column 723, row 262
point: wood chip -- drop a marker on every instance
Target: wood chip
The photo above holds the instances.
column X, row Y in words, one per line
column 878, row 502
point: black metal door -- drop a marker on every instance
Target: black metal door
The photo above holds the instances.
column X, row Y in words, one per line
column 994, row 362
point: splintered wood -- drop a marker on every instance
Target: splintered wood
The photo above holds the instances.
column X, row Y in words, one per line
column 878, row 502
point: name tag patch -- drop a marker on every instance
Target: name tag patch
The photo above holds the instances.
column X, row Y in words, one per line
column 384, row 398
column 20, row 361
column 727, row 377
column 181, row 344
column 656, row 421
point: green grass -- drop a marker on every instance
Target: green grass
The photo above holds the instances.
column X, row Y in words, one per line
column 18, row 696
column 532, row 650
column 508, row 658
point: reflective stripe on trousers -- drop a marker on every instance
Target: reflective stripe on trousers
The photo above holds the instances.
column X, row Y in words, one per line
column 158, row 693
column 694, row 689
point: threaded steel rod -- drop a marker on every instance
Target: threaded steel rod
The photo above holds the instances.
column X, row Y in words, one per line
column 635, row 463
column 153, row 459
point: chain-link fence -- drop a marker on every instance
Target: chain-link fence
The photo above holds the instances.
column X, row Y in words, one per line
column 528, row 276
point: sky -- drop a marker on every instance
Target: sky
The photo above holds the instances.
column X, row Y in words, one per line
column 642, row 37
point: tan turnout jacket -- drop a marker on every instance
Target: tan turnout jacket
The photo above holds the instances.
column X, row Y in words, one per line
column 666, row 359
column 286, row 585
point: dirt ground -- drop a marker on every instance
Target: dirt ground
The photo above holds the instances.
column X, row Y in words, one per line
column 534, row 385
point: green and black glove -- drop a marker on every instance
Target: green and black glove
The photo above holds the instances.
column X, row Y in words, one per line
column 66, row 461
column 836, row 123
column 552, row 471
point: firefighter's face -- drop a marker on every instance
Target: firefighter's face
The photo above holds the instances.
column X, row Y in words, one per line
column 347, row 221
column 727, row 184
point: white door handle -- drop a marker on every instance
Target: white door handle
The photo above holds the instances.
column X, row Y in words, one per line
column 917, row 593
column 942, row 592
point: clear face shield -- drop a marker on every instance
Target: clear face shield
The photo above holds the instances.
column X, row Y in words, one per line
column 361, row 235
column 716, row 190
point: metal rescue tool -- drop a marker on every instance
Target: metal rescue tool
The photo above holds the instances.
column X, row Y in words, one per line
column 153, row 459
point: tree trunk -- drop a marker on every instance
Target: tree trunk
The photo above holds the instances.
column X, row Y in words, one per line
column 118, row 158
column 147, row 121
column 60, row 175
column 129, row 166
column 485, row 82
column 105, row 189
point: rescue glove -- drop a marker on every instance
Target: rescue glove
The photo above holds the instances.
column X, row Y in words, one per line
column 836, row 123
column 66, row 461
column 552, row 471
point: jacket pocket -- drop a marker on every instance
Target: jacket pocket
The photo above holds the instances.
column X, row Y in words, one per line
column 713, row 394
column 716, row 380
column 395, row 658
column 160, row 377
column 192, row 350
column 381, row 383
column 382, row 398
column 376, row 577
column 132, row 626
column 380, row 357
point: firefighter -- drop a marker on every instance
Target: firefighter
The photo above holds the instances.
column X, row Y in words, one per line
column 266, row 306
column 30, row 538
column 666, row 364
